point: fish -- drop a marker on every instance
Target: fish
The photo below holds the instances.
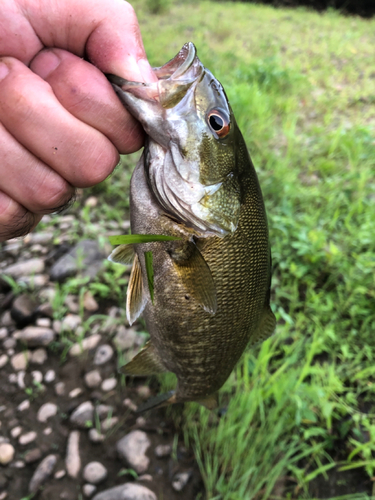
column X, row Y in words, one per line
column 194, row 182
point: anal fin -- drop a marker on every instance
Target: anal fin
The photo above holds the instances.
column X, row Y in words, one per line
column 135, row 297
column 146, row 362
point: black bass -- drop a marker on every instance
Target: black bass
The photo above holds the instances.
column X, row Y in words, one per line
column 195, row 181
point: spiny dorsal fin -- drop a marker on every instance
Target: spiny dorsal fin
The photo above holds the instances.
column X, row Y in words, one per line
column 196, row 276
column 210, row 402
column 158, row 402
column 146, row 362
column 135, row 297
column 123, row 254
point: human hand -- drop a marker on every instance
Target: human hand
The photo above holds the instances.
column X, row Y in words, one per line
column 61, row 124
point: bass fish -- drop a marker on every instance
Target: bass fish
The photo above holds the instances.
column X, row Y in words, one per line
column 195, row 181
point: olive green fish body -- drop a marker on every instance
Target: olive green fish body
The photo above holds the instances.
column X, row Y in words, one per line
column 212, row 286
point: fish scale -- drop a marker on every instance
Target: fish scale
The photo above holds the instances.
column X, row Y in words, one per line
column 212, row 286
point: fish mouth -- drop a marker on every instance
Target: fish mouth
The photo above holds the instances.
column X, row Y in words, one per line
column 177, row 67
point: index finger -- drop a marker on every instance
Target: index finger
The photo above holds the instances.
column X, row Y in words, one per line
column 106, row 33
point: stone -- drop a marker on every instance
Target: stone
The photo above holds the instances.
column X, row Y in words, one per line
column 42, row 473
column 127, row 491
column 60, row 388
column 103, row 354
column 145, row 477
column 21, row 379
column 25, row 405
column 88, row 490
column 60, row 474
column 47, row 431
column 132, row 448
column 43, row 322
column 6, row 453
column 27, row 438
column 6, row 319
column 104, row 411
column 24, row 309
column 71, row 322
column 163, row 450
column 3, row 333
column 73, row 460
column 94, row 473
column 9, row 343
column 83, row 414
column 108, row 384
column 89, row 303
column 34, row 281
column 35, row 336
column 39, row 356
column 37, row 376
column 46, row 411
column 18, row 464
column 19, row 361
column 16, row 431
column 180, row 480
column 33, row 455
column 143, row 391
column 50, row 376
column 95, row 436
column 74, row 393
column 108, row 423
column 26, row 268
column 40, row 238
column 3, row 360
column 85, row 259
column 128, row 403
column 57, row 326
column 93, row 379
column 125, row 338
column 87, row 344
column 71, row 301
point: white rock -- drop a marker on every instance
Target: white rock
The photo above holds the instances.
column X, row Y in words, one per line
column 16, row 431
column 12, row 378
column 50, row 376
column 27, row 438
column 108, row 423
column 46, row 411
column 45, row 322
column 108, row 384
column 35, row 336
column 25, row 405
column 32, row 266
column 71, row 322
column 59, row 474
column 6, row 453
column 180, row 480
column 127, row 491
column 3, row 333
column 3, row 360
column 74, row 393
column 60, row 388
column 89, row 302
column 47, row 431
column 39, row 356
column 83, row 414
column 18, row 464
column 104, row 411
column 103, row 354
column 73, row 460
column 87, row 344
column 37, row 376
column 71, row 301
column 88, row 490
column 21, row 379
column 93, row 379
column 19, row 361
column 95, row 436
column 57, row 326
column 42, row 473
column 95, row 473
column 132, row 448
column 9, row 343
column 129, row 404
column 125, row 338
column 163, row 450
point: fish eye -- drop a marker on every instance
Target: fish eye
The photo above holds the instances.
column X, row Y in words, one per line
column 219, row 122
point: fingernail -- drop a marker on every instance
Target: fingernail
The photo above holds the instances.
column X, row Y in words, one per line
column 4, row 70
column 45, row 63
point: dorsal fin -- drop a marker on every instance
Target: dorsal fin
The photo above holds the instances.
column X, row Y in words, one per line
column 146, row 362
column 123, row 254
column 135, row 297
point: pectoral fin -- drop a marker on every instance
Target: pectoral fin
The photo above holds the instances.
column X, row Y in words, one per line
column 266, row 326
column 146, row 362
column 196, row 276
column 123, row 254
column 158, row 402
column 135, row 297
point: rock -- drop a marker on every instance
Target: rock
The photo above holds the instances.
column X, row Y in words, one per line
column 71, row 322
column 40, row 238
column 35, row 336
column 6, row 319
column 19, row 360
column 43, row 322
column 143, row 391
column 71, row 301
column 128, row 403
column 16, row 431
column 109, row 423
column 3, row 360
column 46, row 411
column 9, row 343
column 47, row 431
column 93, row 379
column 145, row 477
column 103, row 354
column 57, row 326
column 108, row 384
column 95, row 436
column 46, row 310
column 35, row 281
column 82, row 414
column 3, row 333
column 95, row 473
column 60, row 388
column 91, row 201
column 24, row 309
column 25, row 405
column 42, row 473
column 50, row 376
column 163, row 450
column 73, row 460
column 26, row 268
column 125, row 338
column 132, row 448
column 89, row 303
column 21, row 379
column 39, row 356
column 85, row 259
column 18, row 464
column 88, row 490
column 86, row 344
column 60, row 474
column 6, row 453
column 127, row 491
column 180, row 480
column 74, row 393
column 104, row 411
column 37, row 376
column 27, row 438
column 33, row 455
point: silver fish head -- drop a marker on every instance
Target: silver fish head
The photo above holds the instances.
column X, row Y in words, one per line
column 190, row 153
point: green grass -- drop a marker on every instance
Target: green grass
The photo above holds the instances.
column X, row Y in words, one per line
column 302, row 86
